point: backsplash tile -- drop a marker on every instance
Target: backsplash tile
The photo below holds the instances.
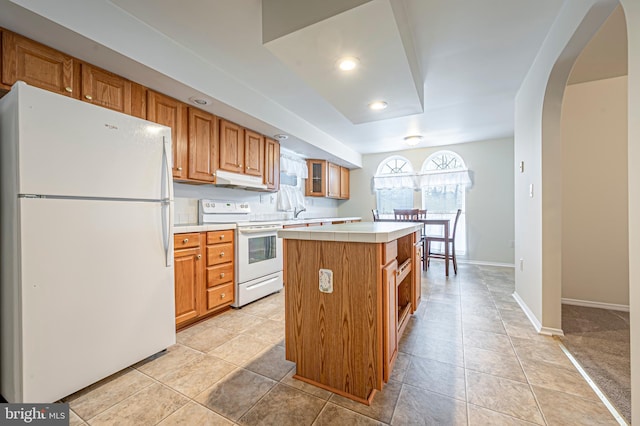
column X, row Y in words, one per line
column 263, row 204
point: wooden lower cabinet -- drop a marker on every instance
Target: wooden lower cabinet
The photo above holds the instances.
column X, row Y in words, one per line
column 346, row 341
column 390, row 325
column 188, row 278
column 220, row 267
column 204, row 284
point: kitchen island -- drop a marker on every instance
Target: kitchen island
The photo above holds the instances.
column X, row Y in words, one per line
column 349, row 291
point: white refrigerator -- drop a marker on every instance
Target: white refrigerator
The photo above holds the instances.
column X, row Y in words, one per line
column 86, row 243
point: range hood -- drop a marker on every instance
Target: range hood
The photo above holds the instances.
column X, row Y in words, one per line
column 237, row 180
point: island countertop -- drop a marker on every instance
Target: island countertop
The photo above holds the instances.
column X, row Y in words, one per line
column 362, row 232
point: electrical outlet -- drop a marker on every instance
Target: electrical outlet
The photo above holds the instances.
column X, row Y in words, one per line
column 521, row 264
column 325, row 278
column 522, row 167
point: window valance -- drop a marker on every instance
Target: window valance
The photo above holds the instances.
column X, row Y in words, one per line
column 417, row 181
column 292, row 165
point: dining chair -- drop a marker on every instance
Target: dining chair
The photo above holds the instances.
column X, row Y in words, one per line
column 422, row 215
column 405, row 214
column 376, row 217
column 452, row 242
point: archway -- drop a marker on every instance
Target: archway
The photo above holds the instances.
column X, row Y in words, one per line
column 538, row 198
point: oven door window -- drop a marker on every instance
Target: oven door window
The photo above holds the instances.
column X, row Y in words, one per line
column 262, row 248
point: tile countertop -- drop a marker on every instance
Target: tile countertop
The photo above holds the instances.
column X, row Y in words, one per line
column 363, row 232
column 183, row 228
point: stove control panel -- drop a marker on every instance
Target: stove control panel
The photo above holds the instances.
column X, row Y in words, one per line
column 217, row 211
column 224, row 207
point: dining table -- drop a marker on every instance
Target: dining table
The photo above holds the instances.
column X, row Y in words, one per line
column 445, row 223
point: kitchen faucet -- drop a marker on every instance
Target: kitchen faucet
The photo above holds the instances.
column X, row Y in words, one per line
column 296, row 212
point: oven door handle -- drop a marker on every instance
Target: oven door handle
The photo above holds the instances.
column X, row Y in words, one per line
column 263, row 283
column 259, row 230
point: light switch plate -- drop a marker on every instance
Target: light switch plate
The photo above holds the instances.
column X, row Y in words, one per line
column 325, row 280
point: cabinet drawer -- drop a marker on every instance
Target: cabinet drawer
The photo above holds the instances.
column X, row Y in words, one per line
column 215, row 237
column 181, row 241
column 219, row 253
column 389, row 251
column 220, row 295
column 220, row 274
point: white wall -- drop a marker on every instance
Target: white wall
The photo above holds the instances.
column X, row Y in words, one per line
column 538, row 224
column 632, row 12
column 595, row 254
column 489, row 203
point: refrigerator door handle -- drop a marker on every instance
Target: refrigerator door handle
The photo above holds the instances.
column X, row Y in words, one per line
column 168, row 218
column 166, row 232
column 166, row 147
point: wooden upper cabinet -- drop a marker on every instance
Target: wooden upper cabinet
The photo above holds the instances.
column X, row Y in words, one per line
column 103, row 88
column 317, row 180
column 138, row 100
column 253, row 153
column 333, row 182
column 231, row 147
column 344, row 183
column 38, row 65
column 203, row 145
column 167, row 111
column 272, row 164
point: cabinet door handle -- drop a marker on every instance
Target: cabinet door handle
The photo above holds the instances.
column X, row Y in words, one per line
column 221, row 274
column 179, row 169
column 68, row 89
column 222, row 296
column 221, row 254
column 185, row 241
column 89, row 97
column 199, row 256
column 222, row 237
column 239, row 165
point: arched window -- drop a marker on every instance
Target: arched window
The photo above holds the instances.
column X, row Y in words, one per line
column 444, row 180
column 394, row 185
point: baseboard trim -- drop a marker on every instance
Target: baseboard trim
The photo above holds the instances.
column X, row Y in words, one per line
column 590, row 304
column 483, row 263
column 547, row 331
column 527, row 312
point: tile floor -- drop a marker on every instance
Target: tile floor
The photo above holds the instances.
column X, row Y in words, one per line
column 469, row 356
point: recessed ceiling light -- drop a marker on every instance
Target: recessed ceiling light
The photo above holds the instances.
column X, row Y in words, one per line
column 378, row 105
column 281, row 137
column 200, row 101
column 413, row 140
column 348, row 63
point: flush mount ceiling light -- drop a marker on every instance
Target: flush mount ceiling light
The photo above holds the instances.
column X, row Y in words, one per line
column 281, row 137
column 348, row 63
column 378, row 105
column 412, row 140
column 200, row 101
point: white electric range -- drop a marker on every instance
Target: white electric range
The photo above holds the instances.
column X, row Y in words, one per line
column 258, row 250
